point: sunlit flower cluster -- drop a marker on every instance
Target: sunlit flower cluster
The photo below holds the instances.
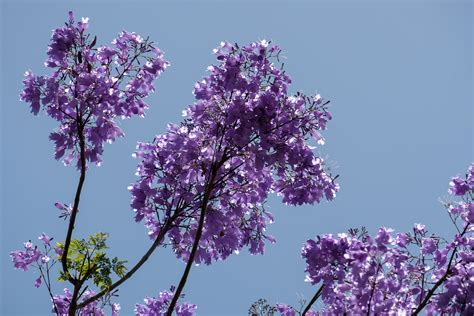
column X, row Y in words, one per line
column 398, row 273
column 90, row 87
column 159, row 306
column 242, row 139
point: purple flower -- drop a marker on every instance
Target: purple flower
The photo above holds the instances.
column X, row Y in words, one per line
column 419, row 228
column 38, row 282
column 105, row 54
column 402, row 239
column 383, row 236
column 242, row 139
column 89, row 90
column 285, row 310
column 359, row 271
column 83, row 25
column 115, row 309
column 428, row 246
column 45, row 259
column 32, row 91
column 58, row 250
column 23, row 259
column 159, row 306
column 45, row 239
column 458, row 186
column 61, row 303
column 32, row 256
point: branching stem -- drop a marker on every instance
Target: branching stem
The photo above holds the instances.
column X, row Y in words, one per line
column 77, row 198
column 189, row 264
column 440, row 281
column 128, row 275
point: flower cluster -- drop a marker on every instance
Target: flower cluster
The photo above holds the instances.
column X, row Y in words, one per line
column 243, row 138
column 61, row 305
column 159, row 306
column 459, row 186
column 33, row 256
column 288, row 310
column 405, row 272
column 22, row 259
column 463, row 188
column 90, row 87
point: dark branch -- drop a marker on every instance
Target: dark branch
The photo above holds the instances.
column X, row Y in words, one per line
column 189, row 264
column 440, row 281
column 128, row 275
column 77, row 198
column 313, row 300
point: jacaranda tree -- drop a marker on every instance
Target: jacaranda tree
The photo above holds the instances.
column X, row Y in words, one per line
column 403, row 273
column 202, row 185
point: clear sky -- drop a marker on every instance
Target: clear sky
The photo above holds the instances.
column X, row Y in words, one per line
column 399, row 75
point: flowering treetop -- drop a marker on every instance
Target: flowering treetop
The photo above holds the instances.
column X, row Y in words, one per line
column 244, row 137
column 90, row 87
column 402, row 273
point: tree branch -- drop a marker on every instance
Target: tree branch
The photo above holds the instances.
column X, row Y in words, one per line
column 313, row 300
column 440, row 281
column 77, row 198
column 189, row 264
column 128, row 275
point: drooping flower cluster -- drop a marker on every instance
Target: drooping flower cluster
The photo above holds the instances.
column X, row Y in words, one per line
column 159, row 306
column 243, row 138
column 90, row 87
column 405, row 272
column 61, row 305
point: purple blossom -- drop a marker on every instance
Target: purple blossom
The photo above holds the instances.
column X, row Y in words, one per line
column 457, row 186
column 385, row 275
column 115, row 309
column 32, row 256
column 61, row 303
column 288, row 310
column 383, row 236
column 45, row 259
column 242, row 139
column 65, row 208
column 419, row 228
column 461, row 186
column 428, row 246
column 22, row 259
column 58, row 250
column 90, row 88
column 402, row 239
column 360, row 276
column 38, row 282
column 159, row 306
column 285, row 310
column 45, row 239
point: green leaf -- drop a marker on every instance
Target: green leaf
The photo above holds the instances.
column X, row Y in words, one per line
column 88, row 258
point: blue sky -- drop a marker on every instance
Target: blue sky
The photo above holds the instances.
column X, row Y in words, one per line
column 399, row 75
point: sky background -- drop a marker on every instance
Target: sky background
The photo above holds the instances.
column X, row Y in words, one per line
column 399, row 76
